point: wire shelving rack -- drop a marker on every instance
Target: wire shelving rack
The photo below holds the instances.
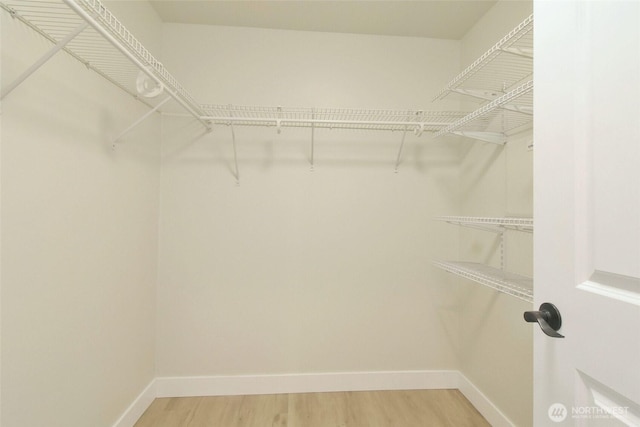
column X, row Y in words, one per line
column 90, row 33
column 517, row 286
column 416, row 121
column 490, row 223
column 86, row 30
column 493, row 121
column 502, row 78
column 504, row 65
column 499, row 279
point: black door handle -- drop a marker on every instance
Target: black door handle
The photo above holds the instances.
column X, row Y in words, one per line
column 548, row 317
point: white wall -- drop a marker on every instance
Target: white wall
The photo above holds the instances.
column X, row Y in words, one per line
column 496, row 344
column 294, row 271
column 79, row 237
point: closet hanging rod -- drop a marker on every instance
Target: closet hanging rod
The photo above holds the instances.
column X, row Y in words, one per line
column 99, row 10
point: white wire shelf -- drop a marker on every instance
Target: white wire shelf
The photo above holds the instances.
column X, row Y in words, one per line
column 493, row 121
column 504, row 65
column 104, row 45
column 512, row 284
column 490, row 223
column 86, row 30
column 416, row 121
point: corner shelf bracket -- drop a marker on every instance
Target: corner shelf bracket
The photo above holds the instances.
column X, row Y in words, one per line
column 525, row 52
column 233, row 142
column 486, row 95
column 313, row 136
column 492, row 137
column 140, row 120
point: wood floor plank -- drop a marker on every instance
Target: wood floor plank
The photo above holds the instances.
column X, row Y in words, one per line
column 405, row 408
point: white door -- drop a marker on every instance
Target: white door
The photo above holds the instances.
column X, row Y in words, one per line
column 587, row 211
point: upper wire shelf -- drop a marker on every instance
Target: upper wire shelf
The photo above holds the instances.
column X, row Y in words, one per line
column 91, row 34
column 416, row 121
column 493, row 121
column 507, row 63
column 490, row 223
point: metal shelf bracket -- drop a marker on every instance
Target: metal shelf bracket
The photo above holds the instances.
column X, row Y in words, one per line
column 404, row 134
column 492, row 137
column 43, row 59
column 520, row 51
column 487, row 95
column 141, row 119
column 233, row 140
column 313, row 131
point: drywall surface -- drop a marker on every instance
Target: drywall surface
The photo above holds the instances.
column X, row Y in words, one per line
column 293, row 270
column 79, row 237
column 496, row 344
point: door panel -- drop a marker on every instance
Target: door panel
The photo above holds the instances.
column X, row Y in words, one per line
column 613, row 51
column 587, row 211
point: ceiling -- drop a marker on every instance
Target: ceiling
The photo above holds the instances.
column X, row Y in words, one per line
column 443, row 19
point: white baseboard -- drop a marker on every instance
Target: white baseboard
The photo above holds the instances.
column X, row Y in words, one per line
column 492, row 414
column 310, row 383
column 304, row 383
column 137, row 408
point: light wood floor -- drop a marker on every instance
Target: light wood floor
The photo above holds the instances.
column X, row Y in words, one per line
column 412, row 408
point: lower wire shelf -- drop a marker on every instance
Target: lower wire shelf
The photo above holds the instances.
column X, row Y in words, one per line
column 517, row 286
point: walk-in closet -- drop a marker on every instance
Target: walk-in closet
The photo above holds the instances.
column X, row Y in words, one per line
column 319, row 213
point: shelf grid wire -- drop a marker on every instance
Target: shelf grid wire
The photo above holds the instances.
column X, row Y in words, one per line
column 330, row 118
column 54, row 20
column 523, row 224
column 512, row 284
column 498, row 70
column 496, row 115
